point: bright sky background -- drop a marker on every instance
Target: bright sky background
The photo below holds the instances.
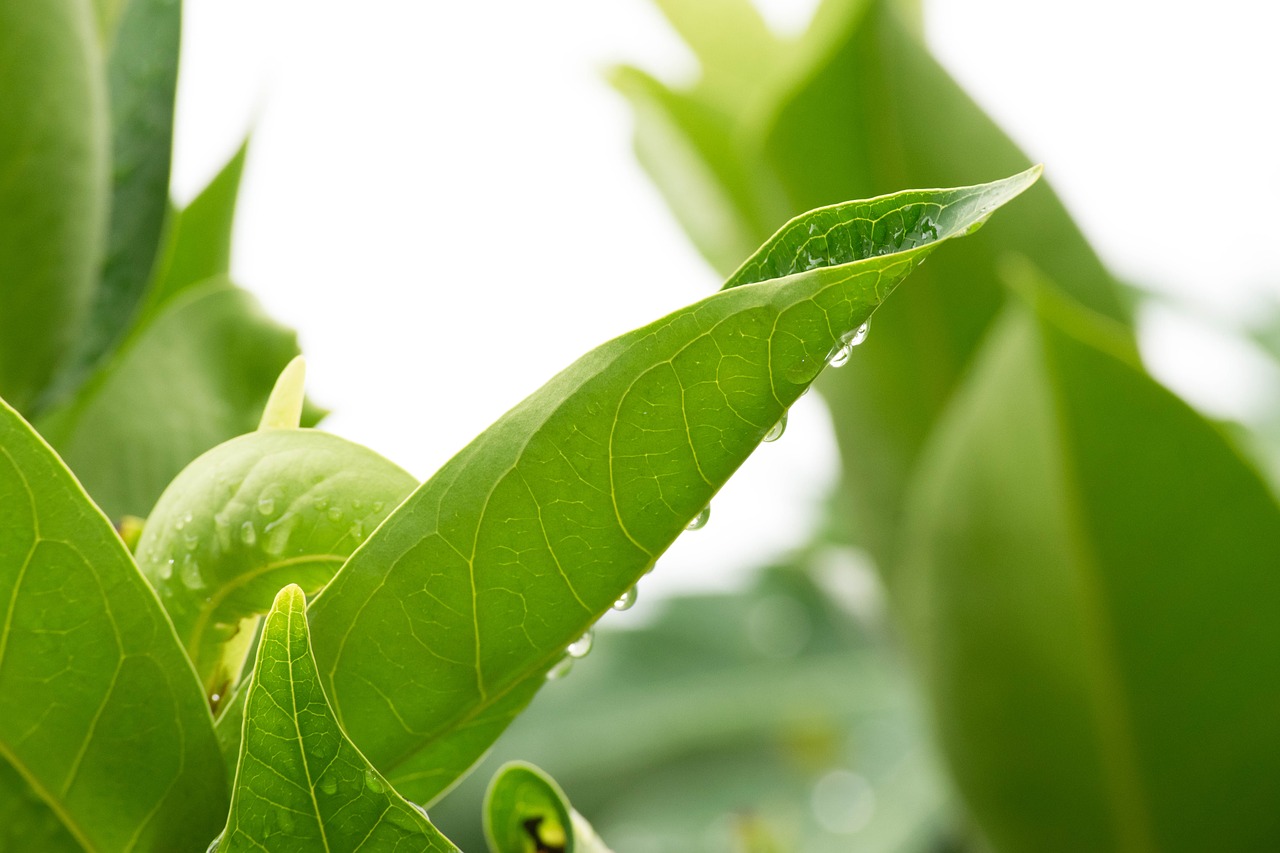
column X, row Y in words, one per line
column 442, row 199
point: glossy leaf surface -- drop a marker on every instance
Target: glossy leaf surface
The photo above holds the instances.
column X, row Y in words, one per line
column 526, row 812
column 251, row 516
column 443, row 624
column 302, row 786
column 195, row 376
column 53, row 186
column 105, row 738
column 1090, row 583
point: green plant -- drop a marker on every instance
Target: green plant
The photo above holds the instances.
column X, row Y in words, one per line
column 1081, row 564
column 147, row 704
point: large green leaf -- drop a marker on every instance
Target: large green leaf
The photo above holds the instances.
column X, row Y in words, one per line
column 142, row 77
column 441, row 626
column 195, row 376
column 302, row 786
column 53, row 185
column 526, row 812
column 105, row 737
column 255, row 514
column 858, row 107
column 1090, row 583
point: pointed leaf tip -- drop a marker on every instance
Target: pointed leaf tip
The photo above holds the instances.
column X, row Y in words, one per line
column 284, row 406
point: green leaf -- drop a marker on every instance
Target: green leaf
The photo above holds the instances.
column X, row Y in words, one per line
column 259, row 512
column 302, row 785
column 195, row 376
column 104, row 734
column 53, row 186
column 1090, row 583
column 526, row 812
column 198, row 242
column 142, row 77
column 439, row 629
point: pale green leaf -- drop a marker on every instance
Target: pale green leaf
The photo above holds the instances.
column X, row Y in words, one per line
column 526, row 812
column 252, row 515
column 302, row 786
column 53, row 186
column 105, row 737
column 1089, row 581
column 442, row 625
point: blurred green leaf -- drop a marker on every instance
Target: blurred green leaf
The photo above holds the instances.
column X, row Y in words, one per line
column 302, row 786
column 196, row 375
column 441, row 627
column 526, row 812
column 251, row 516
column 1090, row 582
column 53, row 186
column 719, row 719
column 142, row 77
column 105, row 739
column 197, row 245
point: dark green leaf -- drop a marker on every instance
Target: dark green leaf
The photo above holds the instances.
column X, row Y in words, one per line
column 251, row 516
column 443, row 624
column 526, row 812
column 1090, row 582
column 104, row 733
column 195, row 376
column 142, row 76
column 53, row 186
column 302, row 786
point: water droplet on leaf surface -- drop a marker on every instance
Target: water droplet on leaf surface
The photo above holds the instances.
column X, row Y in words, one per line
column 561, row 668
column 372, row 782
column 266, row 506
column 626, row 601
column 775, row 432
column 248, row 534
column 335, row 514
column 581, row 647
column 700, row 520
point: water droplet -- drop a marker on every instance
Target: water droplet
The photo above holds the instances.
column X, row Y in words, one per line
column 422, row 810
column 248, row 535
column 335, row 514
column 189, row 574
column 329, row 785
column 377, row 507
column 182, row 522
column 357, row 505
column 700, row 520
column 561, row 669
column 266, row 506
column 626, row 601
column 860, row 334
column 839, row 355
column 165, row 570
column 321, row 504
column 277, row 534
column 357, row 531
column 581, row 647
column 776, row 431
column 213, row 845
column 214, row 699
column 191, row 540
column 372, row 782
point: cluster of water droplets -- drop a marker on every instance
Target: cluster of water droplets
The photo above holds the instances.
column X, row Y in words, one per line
column 842, row 351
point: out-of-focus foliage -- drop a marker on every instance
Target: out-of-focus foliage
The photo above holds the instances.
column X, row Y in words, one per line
column 1083, row 566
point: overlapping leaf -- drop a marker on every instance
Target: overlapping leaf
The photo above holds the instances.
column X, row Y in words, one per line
column 53, row 186
column 106, row 743
column 526, row 812
column 441, row 626
column 1090, row 581
column 302, row 786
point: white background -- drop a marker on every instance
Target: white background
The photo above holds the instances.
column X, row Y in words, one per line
column 442, row 199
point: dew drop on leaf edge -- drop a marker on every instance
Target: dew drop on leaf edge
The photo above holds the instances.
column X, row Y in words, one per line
column 626, row 601
column 561, row 668
column 581, row 647
column 775, row 432
column 700, row 520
